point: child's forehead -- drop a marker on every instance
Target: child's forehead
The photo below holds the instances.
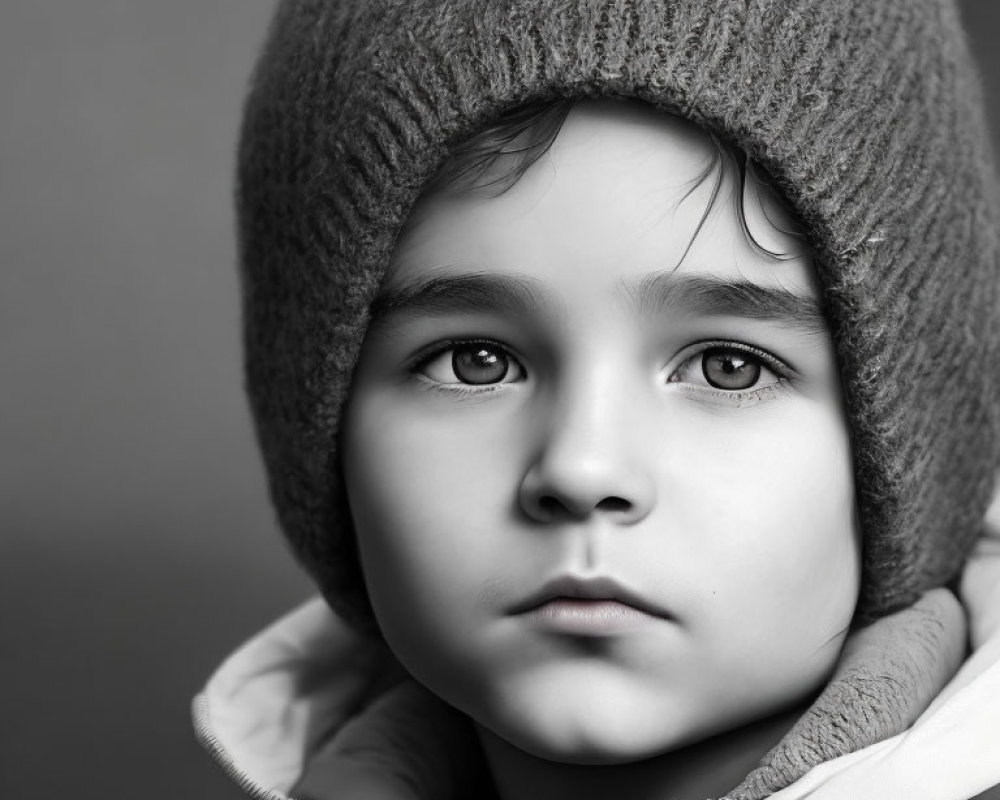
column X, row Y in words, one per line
column 626, row 195
column 598, row 132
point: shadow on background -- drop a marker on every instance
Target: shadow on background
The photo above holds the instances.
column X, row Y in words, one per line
column 138, row 546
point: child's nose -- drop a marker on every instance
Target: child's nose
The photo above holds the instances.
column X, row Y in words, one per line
column 589, row 461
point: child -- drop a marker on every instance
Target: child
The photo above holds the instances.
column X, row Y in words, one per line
column 623, row 459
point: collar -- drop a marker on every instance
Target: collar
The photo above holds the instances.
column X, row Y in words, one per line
column 271, row 703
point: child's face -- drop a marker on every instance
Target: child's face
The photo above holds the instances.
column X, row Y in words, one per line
column 567, row 531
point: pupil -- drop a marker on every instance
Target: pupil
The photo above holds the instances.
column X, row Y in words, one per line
column 729, row 369
column 477, row 364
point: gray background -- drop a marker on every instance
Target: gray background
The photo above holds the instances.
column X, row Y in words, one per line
column 137, row 546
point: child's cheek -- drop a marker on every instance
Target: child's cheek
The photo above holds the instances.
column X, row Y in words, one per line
column 431, row 495
column 779, row 547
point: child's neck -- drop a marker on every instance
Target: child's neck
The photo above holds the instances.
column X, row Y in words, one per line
column 705, row 769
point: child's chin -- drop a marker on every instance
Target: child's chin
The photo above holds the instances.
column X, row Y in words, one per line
column 604, row 757
column 593, row 753
column 592, row 745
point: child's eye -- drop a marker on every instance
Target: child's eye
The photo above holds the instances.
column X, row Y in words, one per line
column 729, row 368
column 472, row 364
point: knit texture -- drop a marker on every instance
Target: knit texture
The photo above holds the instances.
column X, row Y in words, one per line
column 887, row 675
column 867, row 115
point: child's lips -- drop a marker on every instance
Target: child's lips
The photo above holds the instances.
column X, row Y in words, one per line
column 570, row 615
column 594, row 606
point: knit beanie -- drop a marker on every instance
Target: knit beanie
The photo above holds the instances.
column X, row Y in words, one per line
column 867, row 116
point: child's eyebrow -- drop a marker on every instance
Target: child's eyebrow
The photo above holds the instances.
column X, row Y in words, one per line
column 468, row 293
column 709, row 295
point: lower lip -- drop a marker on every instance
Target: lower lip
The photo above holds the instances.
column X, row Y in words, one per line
column 589, row 617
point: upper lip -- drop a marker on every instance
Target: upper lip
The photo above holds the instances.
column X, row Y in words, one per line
column 588, row 588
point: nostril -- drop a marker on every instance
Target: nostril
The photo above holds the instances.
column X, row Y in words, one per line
column 550, row 507
column 613, row 504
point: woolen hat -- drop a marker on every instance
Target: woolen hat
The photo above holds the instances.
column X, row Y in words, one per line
column 868, row 116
